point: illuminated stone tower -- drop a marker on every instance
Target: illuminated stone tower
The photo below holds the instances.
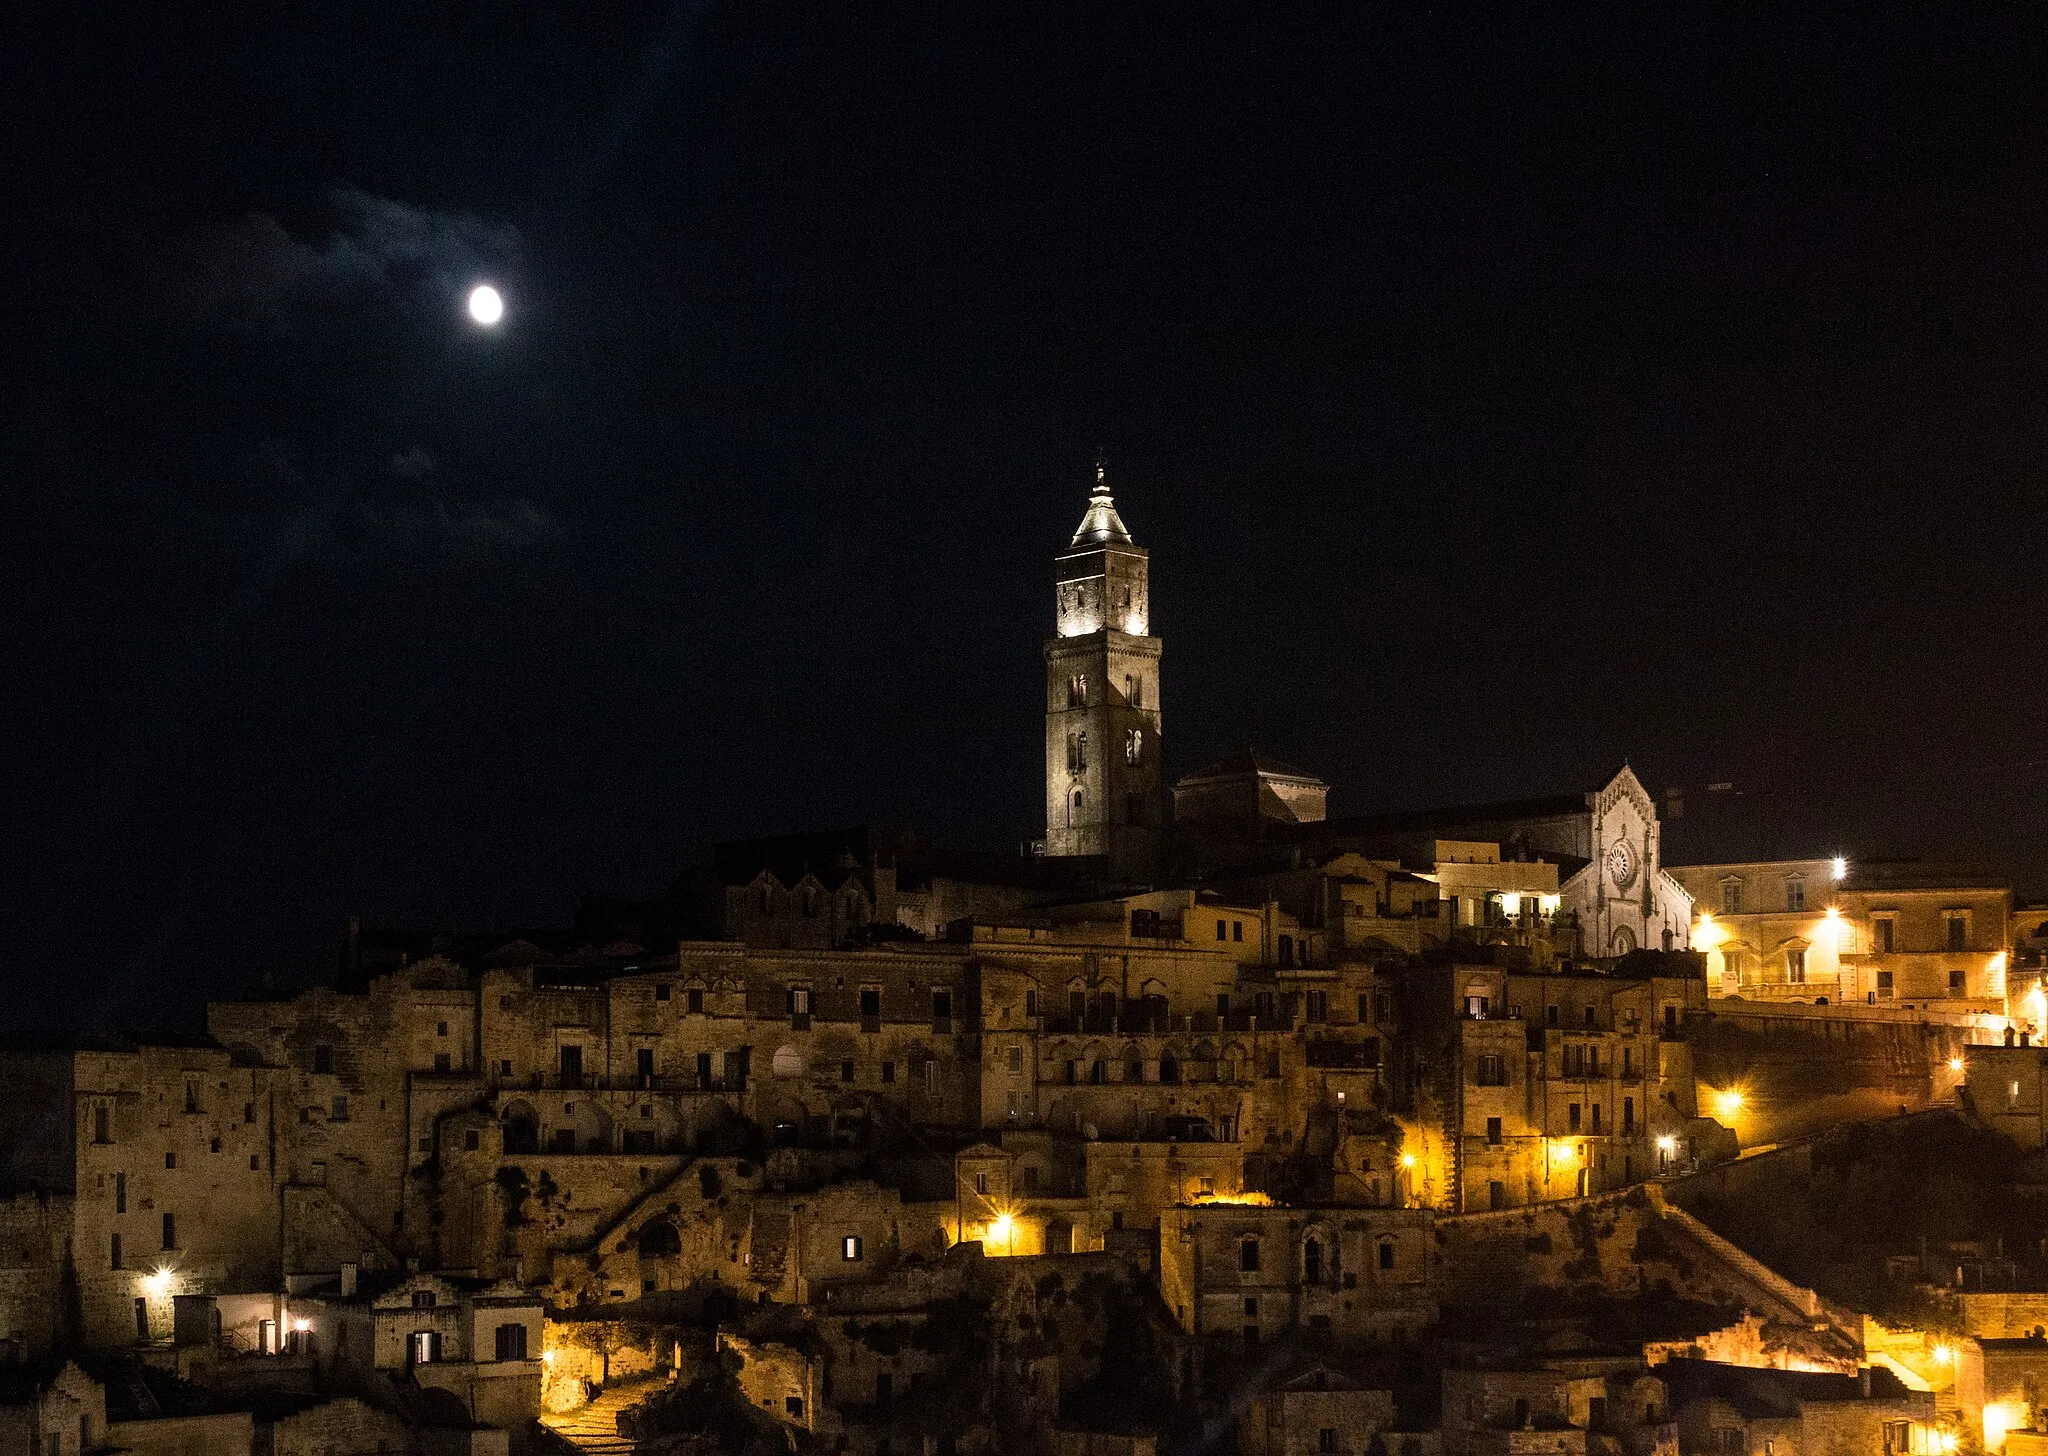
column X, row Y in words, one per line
column 1102, row 722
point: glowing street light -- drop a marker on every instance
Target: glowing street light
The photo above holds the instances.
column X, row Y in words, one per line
column 1955, row 1064
column 1943, row 1354
column 1840, row 867
column 1728, row 1103
column 1407, row 1160
column 1667, row 1145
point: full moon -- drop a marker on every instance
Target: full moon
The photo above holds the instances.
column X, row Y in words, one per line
column 485, row 304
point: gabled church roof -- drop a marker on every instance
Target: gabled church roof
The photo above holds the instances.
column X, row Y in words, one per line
column 1248, row 763
column 1102, row 526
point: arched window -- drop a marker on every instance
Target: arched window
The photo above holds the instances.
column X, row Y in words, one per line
column 1134, row 746
column 1077, row 808
column 1077, row 690
column 1312, row 1262
column 1081, row 751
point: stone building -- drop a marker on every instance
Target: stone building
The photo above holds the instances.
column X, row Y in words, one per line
column 1854, row 932
column 1234, row 801
column 1315, row 1412
column 1102, row 708
column 1738, row 1408
column 167, row 1159
column 1551, row 1084
column 1559, row 1403
column 1253, row 1273
column 59, row 1413
column 1613, row 890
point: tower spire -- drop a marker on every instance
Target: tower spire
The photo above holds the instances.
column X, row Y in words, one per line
column 1101, row 525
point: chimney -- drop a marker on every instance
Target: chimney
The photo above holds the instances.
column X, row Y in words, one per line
column 348, row 1280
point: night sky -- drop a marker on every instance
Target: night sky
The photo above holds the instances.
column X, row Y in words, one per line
column 1502, row 396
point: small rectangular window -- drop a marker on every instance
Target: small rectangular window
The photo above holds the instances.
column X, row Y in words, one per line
column 1386, row 1253
column 1222, row 930
column 511, row 1342
column 170, row 1160
column 114, row 1253
column 693, row 1001
column 661, row 990
column 1731, row 898
column 1248, row 1256
column 849, row 1247
column 338, row 1111
column 323, row 1059
column 1881, row 932
column 1237, row 930
column 1958, row 932
column 888, row 1072
column 170, row 1231
column 846, row 1070
column 1795, row 894
column 1493, row 1135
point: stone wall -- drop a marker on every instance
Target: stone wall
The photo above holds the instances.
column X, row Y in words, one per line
column 231, row 1433
column 35, row 1232
column 343, row 1427
column 1785, row 1054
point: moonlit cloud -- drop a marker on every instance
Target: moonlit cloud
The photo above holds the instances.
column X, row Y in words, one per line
column 254, row 273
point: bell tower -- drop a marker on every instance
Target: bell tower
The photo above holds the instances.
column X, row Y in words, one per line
column 1102, row 720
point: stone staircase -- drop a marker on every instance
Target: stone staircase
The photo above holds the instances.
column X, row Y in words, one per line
column 594, row 1428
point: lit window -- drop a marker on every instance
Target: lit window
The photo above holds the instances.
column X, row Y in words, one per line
column 849, row 1247
column 1731, row 897
column 1795, row 965
column 1795, row 893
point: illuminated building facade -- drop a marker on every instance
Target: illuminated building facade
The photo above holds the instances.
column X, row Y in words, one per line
column 1890, row 934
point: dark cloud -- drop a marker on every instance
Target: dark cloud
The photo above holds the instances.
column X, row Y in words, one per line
column 254, row 274
column 413, row 464
column 458, row 527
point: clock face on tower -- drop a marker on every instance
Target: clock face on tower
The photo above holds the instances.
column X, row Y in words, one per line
column 1621, row 864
